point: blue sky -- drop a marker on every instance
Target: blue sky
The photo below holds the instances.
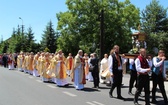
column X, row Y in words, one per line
column 37, row 13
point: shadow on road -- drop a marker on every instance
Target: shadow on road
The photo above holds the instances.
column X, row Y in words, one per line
column 87, row 89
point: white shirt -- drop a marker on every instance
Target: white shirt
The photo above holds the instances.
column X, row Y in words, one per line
column 157, row 64
column 138, row 66
column 110, row 63
column 131, row 61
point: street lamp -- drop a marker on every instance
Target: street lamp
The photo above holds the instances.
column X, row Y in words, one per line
column 22, row 24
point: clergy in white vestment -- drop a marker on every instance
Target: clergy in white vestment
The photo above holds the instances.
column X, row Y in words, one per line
column 78, row 73
column 104, row 71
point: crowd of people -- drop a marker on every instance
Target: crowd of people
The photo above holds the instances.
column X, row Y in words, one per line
column 55, row 67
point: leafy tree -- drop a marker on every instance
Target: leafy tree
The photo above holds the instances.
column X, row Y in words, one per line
column 80, row 25
column 4, row 47
column 154, row 18
column 14, row 42
column 154, row 23
column 49, row 38
column 20, row 42
column 30, row 40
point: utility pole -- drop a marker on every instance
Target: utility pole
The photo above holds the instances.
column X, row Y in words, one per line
column 101, row 34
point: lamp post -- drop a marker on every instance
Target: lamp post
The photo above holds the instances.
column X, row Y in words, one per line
column 22, row 24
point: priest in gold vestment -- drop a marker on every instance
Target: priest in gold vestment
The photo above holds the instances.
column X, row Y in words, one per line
column 69, row 64
column 61, row 75
column 35, row 65
column 20, row 60
column 25, row 63
column 30, row 63
column 78, row 74
column 43, row 63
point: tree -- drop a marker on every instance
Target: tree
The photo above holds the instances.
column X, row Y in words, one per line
column 20, row 42
column 80, row 25
column 154, row 23
column 49, row 38
column 30, row 40
column 3, row 47
column 14, row 41
column 154, row 18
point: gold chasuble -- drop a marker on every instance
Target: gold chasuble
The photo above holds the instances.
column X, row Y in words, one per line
column 51, row 71
column 69, row 62
column 86, row 65
column 41, row 64
column 30, row 61
column 35, row 62
column 46, row 64
column 20, row 60
column 61, row 69
column 79, row 61
column 26, row 62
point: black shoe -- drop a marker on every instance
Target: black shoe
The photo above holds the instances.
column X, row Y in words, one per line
column 110, row 95
column 136, row 103
column 130, row 93
column 166, row 102
column 141, row 95
column 66, row 85
column 120, row 97
column 94, row 87
column 154, row 101
column 97, row 87
column 108, row 84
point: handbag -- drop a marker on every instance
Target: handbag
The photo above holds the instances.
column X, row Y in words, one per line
column 91, row 68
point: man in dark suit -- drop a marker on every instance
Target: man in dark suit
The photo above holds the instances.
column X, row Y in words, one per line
column 5, row 60
column 115, row 67
column 95, row 73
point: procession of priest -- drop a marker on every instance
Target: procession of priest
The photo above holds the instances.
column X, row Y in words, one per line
column 56, row 68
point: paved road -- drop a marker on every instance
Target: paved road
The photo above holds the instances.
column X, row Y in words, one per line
column 18, row 88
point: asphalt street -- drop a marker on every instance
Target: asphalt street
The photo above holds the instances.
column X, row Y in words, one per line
column 19, row 88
